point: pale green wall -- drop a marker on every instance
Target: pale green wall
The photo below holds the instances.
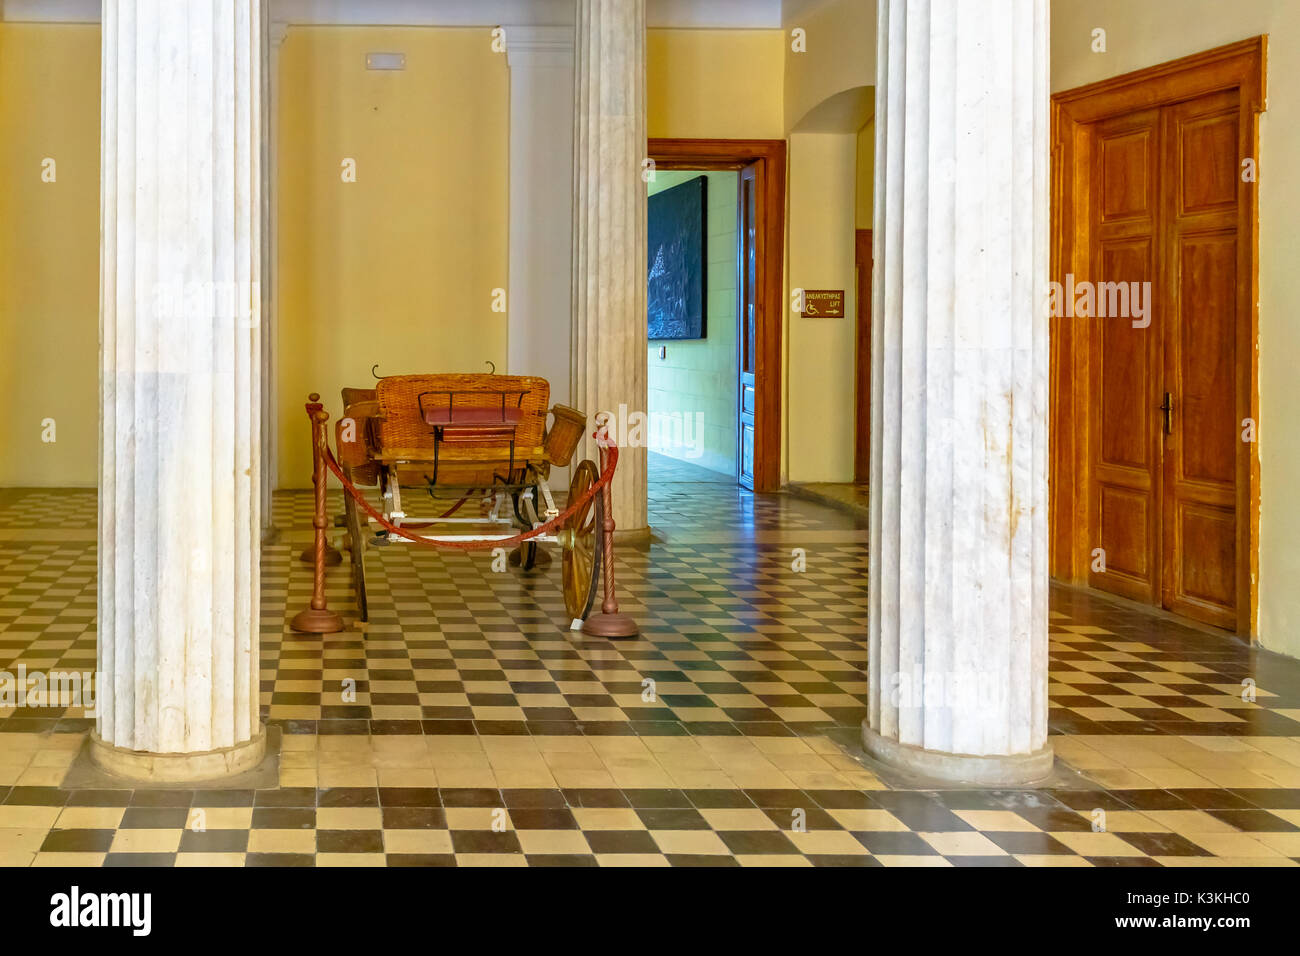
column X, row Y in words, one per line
column 699, row 376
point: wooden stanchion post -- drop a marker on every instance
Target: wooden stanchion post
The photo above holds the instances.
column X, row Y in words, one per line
column 610, row 622
column 332, row 554
column 318, row 618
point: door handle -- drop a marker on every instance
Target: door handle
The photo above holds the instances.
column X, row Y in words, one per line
column 1168, row 409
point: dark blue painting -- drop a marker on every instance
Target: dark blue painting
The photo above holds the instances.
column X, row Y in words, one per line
column 676, row 261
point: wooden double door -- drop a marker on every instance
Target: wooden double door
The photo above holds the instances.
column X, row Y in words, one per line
column 747, row 272
column 1170, row 370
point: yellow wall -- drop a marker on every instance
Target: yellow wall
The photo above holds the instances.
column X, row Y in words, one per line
column 399, row 267
column 821, row 357
column 723, row 84
column 1142, row 34
column 827, row 98
column 49, row 253
column 840, row 37
column 828, row 95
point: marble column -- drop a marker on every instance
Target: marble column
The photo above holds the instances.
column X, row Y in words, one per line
column 180, row 343
column 608, row 372
column 958, row 593
column 541, row 200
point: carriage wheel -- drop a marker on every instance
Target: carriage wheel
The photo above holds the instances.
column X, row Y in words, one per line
column 357, row 533
column 584, row 542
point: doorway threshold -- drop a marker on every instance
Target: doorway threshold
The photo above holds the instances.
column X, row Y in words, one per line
column 847, row 496
column 1153, row 611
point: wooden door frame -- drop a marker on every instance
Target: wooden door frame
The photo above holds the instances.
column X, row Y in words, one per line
column 770, row 155
column 862, row 252
column 1240, row 66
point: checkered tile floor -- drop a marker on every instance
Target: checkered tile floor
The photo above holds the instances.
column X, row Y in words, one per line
column 68, row 508
column 467, row 725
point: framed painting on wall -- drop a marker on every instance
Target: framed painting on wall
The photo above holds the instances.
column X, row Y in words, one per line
column 676, row 266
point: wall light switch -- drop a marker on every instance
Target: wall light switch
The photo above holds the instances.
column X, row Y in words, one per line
column 385, row 61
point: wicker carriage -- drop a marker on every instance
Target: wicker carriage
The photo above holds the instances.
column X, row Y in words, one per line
column 457, row 439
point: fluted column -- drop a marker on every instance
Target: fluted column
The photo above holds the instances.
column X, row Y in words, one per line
column 609, row 238
column 181, row 263
column 958, row 593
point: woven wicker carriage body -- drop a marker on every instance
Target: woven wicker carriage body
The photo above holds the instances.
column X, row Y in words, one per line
column 457, row 431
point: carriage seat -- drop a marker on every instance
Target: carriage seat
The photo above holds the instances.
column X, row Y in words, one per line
column 456, row 430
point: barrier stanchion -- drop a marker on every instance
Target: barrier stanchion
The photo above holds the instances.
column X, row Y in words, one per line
column 332, row 554
column 318, row 618
column 609, row 622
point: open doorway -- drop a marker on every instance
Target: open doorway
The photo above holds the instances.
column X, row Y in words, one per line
column 759, row 170
column 693, row 306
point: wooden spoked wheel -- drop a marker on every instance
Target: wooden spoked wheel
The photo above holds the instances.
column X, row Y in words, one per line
column 583, row 536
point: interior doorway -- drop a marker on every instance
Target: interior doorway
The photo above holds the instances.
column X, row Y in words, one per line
column 694, row 266
column 759, row 170
column 1154, row 385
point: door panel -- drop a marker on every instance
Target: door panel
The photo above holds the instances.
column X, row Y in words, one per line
column 1126, row 520
column 1127, row 371
column 1203, row 366
column 1201, row 359
column 1126, row 472
column 747, row 401
column 1127, row 170
column 1206, row 552
column 1207, row 160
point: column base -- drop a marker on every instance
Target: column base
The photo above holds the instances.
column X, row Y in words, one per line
column 999, row 770
column 178, row 767
column 633, row 536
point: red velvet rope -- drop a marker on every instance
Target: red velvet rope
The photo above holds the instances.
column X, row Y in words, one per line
column 609, row 453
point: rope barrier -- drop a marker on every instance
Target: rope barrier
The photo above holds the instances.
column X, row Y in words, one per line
column 317, row 618
column 608, row 451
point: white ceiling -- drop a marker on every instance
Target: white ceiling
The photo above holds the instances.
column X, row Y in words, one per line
column 735, row 14
column 56, row 11
column 793, row 11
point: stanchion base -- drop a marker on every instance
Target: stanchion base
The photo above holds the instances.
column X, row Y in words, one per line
column 312, row 621
column 601, row 624
column 333, row 555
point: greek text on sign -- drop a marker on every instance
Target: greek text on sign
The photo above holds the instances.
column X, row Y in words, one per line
column 823, row 303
